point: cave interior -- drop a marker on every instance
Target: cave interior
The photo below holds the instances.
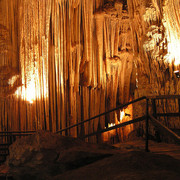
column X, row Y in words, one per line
column 63, row 62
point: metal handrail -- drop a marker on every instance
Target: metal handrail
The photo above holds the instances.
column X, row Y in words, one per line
column 16, row 132
column 99, row 115
column 117, row 126
column 164, row 128
column 121, row 107
column 164, row 97
column 146, row 117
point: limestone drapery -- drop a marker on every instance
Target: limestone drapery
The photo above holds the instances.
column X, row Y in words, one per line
column 77, row 58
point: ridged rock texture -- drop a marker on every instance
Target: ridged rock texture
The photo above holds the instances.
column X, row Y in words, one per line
column 64, row 61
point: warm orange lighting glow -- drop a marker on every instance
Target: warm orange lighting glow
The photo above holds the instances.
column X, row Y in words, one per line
column 171, row 23
column 173, row 47
column 12, row 80
column 118, row 121
column 27, row 93
column 177, row 73
column 157, row 35
column 111, row 125
column 121, row 115
column 32, row 90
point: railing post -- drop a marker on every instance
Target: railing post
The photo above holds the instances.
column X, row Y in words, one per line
column 147, row 126
column 154, row 107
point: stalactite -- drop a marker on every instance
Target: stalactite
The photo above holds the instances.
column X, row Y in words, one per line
column 62, row 64
column 9, row 64
column 99, row 28
column 73, row 59
column 157, row 40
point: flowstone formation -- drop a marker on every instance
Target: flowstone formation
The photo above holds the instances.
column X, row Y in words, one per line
column 9, row 71
column 75, row 61
column 157, row 40
column 64, row 61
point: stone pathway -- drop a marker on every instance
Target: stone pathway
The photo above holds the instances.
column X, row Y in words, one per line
column 154, row 147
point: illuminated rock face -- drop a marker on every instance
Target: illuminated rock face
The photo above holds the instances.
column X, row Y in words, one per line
column 9, row 70
column 77, row 58
column 157, row 40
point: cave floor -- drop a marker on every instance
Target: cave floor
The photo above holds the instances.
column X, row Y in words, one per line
column 127, row 161
column 133, row 163
column 154, row 147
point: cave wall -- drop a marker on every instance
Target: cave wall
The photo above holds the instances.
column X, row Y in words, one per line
column 157, row 24
column 72, row 59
